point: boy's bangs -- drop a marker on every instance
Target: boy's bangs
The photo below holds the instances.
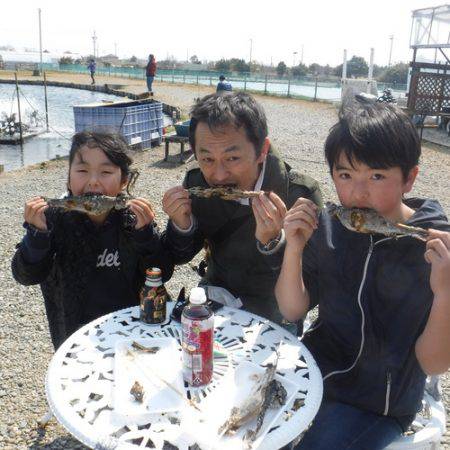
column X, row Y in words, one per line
column 371, row 156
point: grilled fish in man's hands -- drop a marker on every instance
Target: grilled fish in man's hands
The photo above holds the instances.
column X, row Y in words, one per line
column 224, row 192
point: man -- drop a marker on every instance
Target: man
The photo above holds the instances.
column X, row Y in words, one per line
column 228, row 133
column 223, row 85
column 150, row 72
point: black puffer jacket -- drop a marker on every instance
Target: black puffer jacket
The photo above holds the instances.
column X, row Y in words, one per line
column 374, row 300
column 65, row 270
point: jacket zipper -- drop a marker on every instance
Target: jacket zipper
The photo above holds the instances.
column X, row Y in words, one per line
column 388, row 393
column 363, row 318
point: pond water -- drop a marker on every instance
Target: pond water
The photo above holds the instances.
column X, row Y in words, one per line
column 61, row 121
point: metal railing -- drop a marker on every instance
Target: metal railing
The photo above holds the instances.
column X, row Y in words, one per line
column 312, row 87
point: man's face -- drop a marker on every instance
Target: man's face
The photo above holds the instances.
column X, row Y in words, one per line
column 227, row 157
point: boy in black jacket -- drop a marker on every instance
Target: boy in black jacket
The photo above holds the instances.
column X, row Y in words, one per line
column 384, row 302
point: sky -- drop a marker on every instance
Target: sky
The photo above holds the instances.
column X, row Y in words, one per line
column 274, row 31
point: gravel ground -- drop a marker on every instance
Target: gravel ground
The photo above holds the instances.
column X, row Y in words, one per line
column 297, row 128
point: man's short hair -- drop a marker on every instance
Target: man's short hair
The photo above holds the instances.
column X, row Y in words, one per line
column 377, row 134
column 231, row 108
column 222, row 78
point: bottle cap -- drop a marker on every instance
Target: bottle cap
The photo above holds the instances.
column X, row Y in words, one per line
column 197, row 296
column 154, row 272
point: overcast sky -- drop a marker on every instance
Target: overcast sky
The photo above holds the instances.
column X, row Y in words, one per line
column 217, row 29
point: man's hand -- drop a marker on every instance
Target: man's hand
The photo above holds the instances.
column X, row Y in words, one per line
column 177, row 205
column 299, row 223
column 34, row 213
column 438, row 255
column 269, row 211
column 143, row 211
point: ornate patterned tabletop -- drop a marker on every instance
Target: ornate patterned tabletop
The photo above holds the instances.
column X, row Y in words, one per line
column 80, row 380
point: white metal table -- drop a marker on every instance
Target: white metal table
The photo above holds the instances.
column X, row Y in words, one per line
column 80, row 379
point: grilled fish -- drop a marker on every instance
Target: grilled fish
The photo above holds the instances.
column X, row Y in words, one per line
column 369, row 221
column 225, row 193
column 90, row 204
column 266, row 393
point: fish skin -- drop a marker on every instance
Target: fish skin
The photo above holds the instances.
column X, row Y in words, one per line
column 275, row 396
column 266, row 393
column 225, row 192
column 89, row 204
column 370, row 222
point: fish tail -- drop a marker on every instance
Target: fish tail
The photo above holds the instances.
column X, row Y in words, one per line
column 413, row 230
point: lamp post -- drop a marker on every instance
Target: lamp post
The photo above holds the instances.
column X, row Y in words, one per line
column 40, row 42
column 94, row 39
column 293, row 59
column 251, row 48
column 391, row 37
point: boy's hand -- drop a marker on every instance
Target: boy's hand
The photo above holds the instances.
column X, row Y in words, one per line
column 143, row 211
column 34, row 213
column 438, row 255
column 269, row 211
column 299, row 223
column 177, row 205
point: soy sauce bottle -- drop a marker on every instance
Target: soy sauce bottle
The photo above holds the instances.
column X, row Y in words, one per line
column 197, row 321
column 153, row 298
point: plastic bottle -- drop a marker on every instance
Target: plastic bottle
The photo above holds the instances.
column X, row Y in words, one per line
column 153, row 298
column 197, row 321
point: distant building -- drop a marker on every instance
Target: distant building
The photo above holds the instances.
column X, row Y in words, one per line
column 196, row 67
column 13, row 58
column 110, row 59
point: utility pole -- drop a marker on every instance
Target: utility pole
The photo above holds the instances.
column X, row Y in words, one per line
column 370, row 74
column 251, row 48
column 301, row 58
column 115, row 48
column 94, row 39
column 344, row 66
column 40, row 41
column 293, row 59
column 391, row 37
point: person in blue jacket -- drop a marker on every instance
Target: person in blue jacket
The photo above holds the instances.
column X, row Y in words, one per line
column 223, row 85
column 384, row 302
column 91, row 67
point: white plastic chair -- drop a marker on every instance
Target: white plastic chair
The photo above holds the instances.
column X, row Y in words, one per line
column 429, row 424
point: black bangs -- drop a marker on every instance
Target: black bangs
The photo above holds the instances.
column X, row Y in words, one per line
column 376, row 134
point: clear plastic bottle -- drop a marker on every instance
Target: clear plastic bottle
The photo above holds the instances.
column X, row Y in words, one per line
column 153, row 298
column 197, row 321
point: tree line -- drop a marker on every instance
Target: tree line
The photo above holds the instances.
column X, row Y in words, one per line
column 356, row 67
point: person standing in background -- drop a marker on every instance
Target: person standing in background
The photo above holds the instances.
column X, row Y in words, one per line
column 223, row 85
column 92, row 66
column 150, row 71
